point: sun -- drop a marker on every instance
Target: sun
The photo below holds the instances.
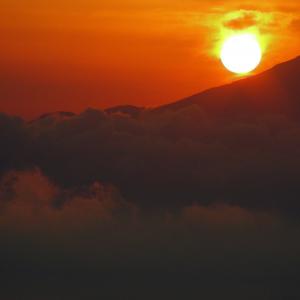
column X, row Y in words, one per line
column 241, row 53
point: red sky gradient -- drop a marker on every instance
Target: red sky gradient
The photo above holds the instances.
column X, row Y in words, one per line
column 70, row 55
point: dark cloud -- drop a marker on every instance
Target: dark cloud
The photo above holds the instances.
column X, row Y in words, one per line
column 163, row 160
column 295, row 24
column 28, row 198
column 264, row 20
column 98, row 245
column 243, row 21
column 14, row 143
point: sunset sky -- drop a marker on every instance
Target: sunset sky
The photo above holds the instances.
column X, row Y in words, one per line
column 70, row 55
column 192, row 194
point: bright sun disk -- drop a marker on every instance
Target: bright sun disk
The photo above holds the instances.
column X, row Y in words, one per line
column 241, row 53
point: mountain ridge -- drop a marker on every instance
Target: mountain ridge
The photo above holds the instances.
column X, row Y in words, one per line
column 271, row 91
column 265, row 91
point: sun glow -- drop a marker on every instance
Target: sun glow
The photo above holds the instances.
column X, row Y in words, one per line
column 241, row 53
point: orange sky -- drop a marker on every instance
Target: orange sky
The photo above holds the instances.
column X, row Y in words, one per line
column 70, row 55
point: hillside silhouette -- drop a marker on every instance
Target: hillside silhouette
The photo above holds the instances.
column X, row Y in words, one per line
column 274, row 91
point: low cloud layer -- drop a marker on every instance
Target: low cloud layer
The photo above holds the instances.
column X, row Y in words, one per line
column 98, row 205
column 97, row 245
column 163, row 160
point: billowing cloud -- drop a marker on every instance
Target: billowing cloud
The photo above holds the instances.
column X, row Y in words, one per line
column 96, row 244
column 29, row 201
column 165, row 159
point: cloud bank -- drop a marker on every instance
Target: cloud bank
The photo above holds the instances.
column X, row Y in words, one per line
column 165, row 159
column 100, row 203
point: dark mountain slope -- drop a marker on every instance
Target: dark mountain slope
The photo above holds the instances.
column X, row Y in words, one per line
column 274, row 91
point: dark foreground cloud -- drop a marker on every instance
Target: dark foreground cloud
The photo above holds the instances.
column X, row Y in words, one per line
column 164, row 160
column 97, row 245
column 165, row 205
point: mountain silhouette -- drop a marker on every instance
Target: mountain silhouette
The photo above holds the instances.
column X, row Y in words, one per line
column 274, row 91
